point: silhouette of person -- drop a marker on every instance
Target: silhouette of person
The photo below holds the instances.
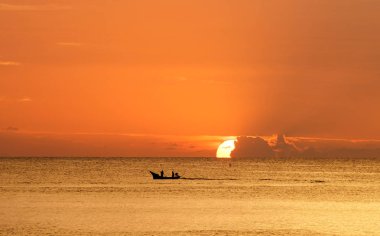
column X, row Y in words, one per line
column 176, row 175
column 172, row 173
column 162, row 173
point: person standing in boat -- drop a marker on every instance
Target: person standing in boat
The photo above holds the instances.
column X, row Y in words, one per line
column 172, row 174
column 162, row 173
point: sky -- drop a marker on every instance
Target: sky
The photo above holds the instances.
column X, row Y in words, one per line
column 175, row 78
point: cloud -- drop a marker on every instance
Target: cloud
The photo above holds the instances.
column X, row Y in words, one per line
column 30, row 143
column 11, row 129
column 172, row 146
column 283, row 147
column 14, row 7
column 182, row 78
column 9, row 63
column 16, row 100
column 25, row 99
column 249, row 147
column 69, row 44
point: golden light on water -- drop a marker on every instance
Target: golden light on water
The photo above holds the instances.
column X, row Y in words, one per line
column 225, row 149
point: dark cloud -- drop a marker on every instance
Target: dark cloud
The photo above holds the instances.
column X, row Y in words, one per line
column 258, row 147
column 28, row 144
column 282, row 147
column 246, row 147
column 11, row 128
column 172, row 146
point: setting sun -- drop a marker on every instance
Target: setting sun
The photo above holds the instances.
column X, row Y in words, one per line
column 225, row 149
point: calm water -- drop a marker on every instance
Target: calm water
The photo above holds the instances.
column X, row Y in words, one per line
column 87, row 196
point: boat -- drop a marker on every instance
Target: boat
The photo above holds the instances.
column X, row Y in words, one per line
column 158, row 176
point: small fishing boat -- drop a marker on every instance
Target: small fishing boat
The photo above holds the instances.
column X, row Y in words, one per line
column 157, row 176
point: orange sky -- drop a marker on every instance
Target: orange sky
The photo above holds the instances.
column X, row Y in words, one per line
column 188, row 69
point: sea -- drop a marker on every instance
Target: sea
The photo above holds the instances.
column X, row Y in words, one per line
column 117, row 196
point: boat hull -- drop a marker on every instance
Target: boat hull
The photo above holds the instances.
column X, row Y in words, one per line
column 157, row 176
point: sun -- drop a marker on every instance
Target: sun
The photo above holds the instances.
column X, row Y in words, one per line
column 225, row 149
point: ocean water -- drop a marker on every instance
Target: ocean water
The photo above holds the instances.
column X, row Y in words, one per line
column 117, row 196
